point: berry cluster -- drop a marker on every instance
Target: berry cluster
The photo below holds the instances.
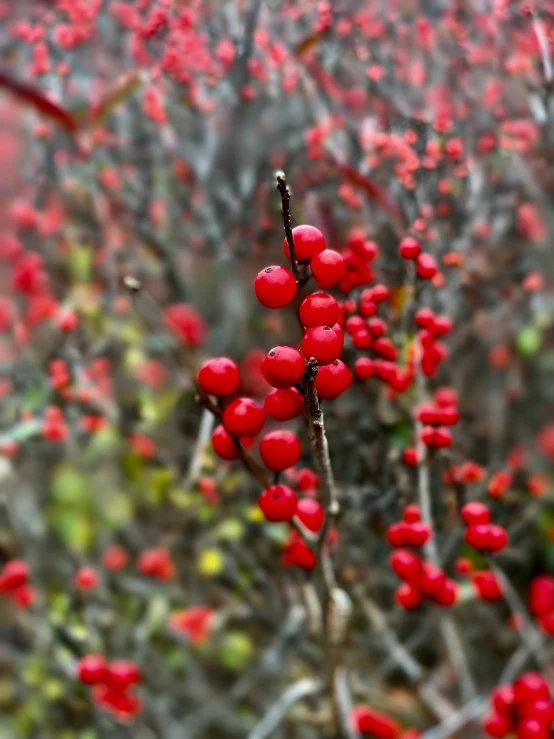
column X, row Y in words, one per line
column 436, row 417
column 422, row 579
column 480, row 533
column 111, row 684
column 523, row 708
column 14, row 582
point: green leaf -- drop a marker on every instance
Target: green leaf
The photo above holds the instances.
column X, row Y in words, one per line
column 528, row 341
column 236, row 651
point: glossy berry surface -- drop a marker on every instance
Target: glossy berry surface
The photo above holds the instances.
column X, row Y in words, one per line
column 92, row 669
column 332, row 380
column 275, row 287
column 308, row 241
column 328, row 268
column 321, row 343
column 409, row 248
column 284, row 366
column 223, row 445
column 278, row 503
column 219, row 376
column 311, row 514
column 244, row 417
column 284, row 404
column 318, row 309
column 280, row 450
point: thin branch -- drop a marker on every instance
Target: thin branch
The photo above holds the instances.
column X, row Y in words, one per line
column 296, row 692
column 530, row 636
column 543, row 47
column 285, row 209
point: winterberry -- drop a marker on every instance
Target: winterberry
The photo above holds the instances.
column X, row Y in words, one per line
column 321, row 343
column 332, row 380
column 409, row 248
column 310, row 513
column 244, row 417
column 308, row 241
column 219, row 376
column 275, row 287
column 278, row 503
column 284, row 366
column 328, row 268
column 284, row 404
column 318, row 309
column 280, row 450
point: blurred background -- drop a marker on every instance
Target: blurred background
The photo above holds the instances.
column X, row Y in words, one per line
column 139, row 147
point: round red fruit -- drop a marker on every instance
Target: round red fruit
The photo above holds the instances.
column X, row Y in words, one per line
column 363, row 368
column 406, row 565
column 321, row 343
column 280, row 450
column 284, row 404
column 409, row 248
column 219, row 377
column 310, row 513
column 475, row 513
column 308, row 241
column 122, row 673
column 278, row 503
column 332, row 380
column 328, row 268
column 275, row 287
column 244, row 417
column 426, row 267
column 319, row 309
column 223, row 445
column 284, row 366
column 408, row 597
column 92, row 669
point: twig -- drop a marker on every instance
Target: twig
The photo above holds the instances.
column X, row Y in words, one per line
column 543, row 46
column 204, row 432
column 285, row 209
column 458, row 720
column 527, row 631
column 272, row 719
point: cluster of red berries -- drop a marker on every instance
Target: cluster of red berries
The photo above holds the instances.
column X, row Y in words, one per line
column 14, row 582
column 436, row 417
column 541, row 602
column 410, row 250
column 523, row 708
column 111, row 684
column 480, row 533
column 411, row 531
column 421, row 579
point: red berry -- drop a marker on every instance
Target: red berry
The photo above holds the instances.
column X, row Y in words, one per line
column 86, row 578
column 478, row 536
column 498, row 538
column 486, row 585
column 410, row 456
column 417, row 534
column 376, row 326
column 243, row 417
column 14, row 574
column 299, row 553
column 321, row 343
column 308, row 241
column 445, row 397
column 441, row 326
column 406, row 565
column 219, row 377
column 376, row 725
column 328, row 268
column 92, row 669
column 319, row 309
column 396, row 534
column 426, row 267
column 385, row 348
column 409, row 248
column 280, row 450
column 223, row 445
column 532, row 729
column 442, row 438
column 354, row 324
column 463, row 566
column 367, row 308
column 284, row 404
column 411, row 513
column 377, row 293
column 497, row 726
column 447, row 416
column 278, row 503
column 408, row 597
column 363, row 368
column 310, row 513
column 284, row 366
column 447, row 595
column 275, row 287
column 432, row 580
column 362, row 339
column 474, row 513
column 122, row 674
column 502, row 699
column 530, row 687
column 332, row 380
column 307, row 480
column 427, row 414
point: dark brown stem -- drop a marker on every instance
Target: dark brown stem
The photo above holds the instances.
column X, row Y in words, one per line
column 320, row 448
column 285, row 208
